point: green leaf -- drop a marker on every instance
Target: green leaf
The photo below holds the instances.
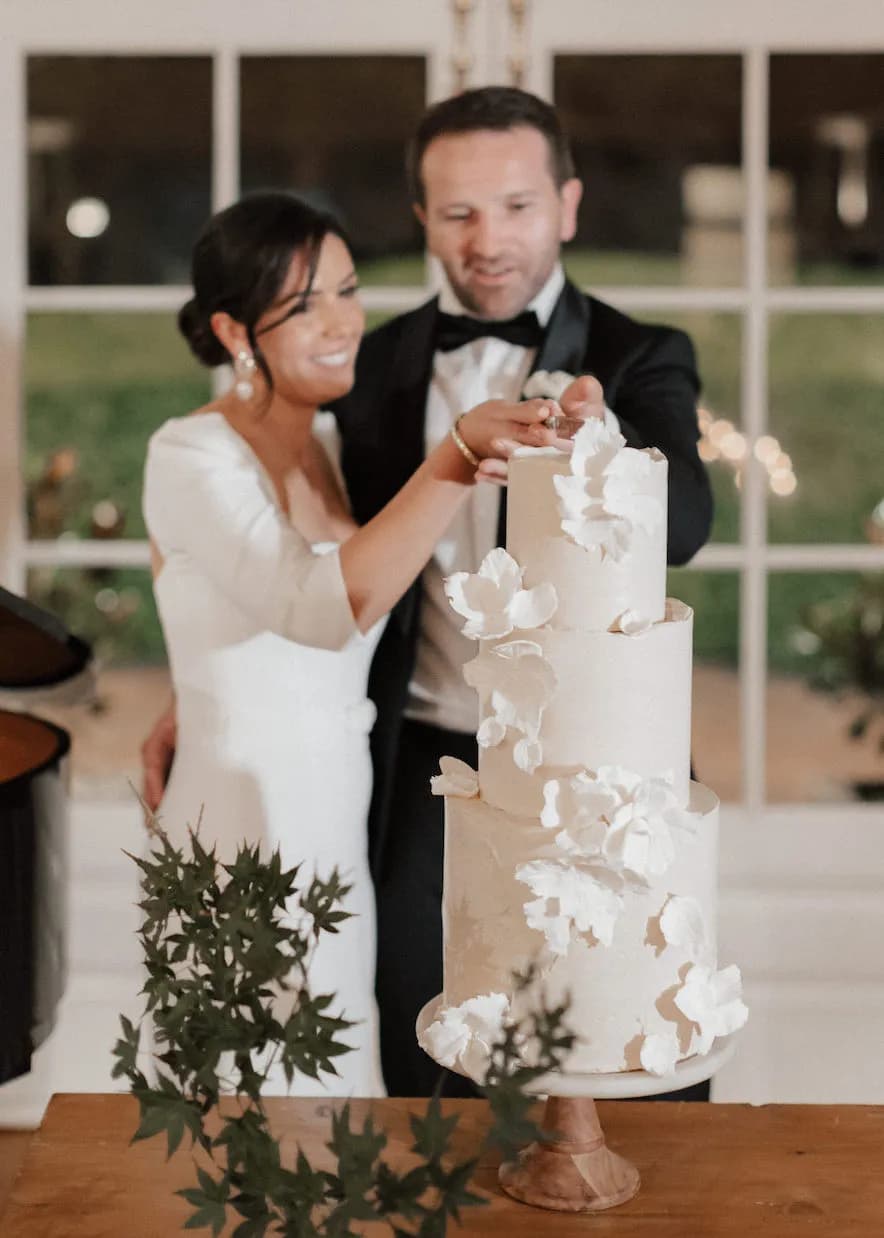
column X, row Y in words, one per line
column 164, row 1110
column 432, row 1132
column 256, row 1228
column 126, row 1051
column 210, row 1202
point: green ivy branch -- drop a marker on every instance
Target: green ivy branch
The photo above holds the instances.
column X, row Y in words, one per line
column 227, row 951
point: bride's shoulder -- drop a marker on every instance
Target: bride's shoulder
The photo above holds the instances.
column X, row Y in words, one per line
column 206, row 432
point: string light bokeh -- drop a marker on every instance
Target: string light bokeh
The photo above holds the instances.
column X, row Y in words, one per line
column 721, row 441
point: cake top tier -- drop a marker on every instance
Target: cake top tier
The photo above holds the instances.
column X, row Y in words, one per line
column 592, row 523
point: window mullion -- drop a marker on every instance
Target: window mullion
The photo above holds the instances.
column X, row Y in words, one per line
column 13, row 275
column 225, row 128
column 753, row 595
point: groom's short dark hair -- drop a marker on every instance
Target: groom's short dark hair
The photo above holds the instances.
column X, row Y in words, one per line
column 490, row 107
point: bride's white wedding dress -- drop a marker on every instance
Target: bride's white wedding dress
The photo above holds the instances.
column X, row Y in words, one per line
column 270, row 677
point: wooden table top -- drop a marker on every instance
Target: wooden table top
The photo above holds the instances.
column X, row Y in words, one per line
column 707, row 1170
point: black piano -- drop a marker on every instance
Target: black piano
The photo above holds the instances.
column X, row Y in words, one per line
column 38, row 658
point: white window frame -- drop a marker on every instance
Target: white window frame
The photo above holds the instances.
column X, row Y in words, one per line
column 488, row 33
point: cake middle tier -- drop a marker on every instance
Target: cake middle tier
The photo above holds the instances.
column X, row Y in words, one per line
column 554, row 702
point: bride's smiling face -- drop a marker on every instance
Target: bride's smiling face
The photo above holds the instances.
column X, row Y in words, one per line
column 309, row 337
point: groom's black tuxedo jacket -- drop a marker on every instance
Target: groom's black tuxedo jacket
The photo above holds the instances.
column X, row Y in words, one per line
column 650, row 381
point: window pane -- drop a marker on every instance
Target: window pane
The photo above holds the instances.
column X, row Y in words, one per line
column 717, row 340
column 715, row 746
column 376, row 318
column 827, row 148
column 826, row 454
column 334, row 129
column 825, row 687
column 113, row 609
column 97, row 386
column 119, row 167
column 657, row 142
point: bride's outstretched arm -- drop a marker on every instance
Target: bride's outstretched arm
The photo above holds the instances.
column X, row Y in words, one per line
column 382, row 558
column 211, row 513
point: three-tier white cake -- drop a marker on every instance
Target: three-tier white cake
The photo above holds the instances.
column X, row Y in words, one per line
column 581, row 845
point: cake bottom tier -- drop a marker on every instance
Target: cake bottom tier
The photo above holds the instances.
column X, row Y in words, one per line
column 621, row 993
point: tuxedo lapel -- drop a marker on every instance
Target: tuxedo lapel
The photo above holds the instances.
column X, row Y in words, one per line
column 405, row 414
column 405, row 419
column 564, row 347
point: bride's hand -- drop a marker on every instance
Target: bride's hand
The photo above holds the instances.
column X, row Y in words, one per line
column 495, row 428
column 494, row 471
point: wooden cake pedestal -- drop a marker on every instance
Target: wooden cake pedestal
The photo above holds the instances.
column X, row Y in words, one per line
column 576, row 1171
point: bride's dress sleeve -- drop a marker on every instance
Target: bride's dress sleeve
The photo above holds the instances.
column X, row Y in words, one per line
column 206, row 499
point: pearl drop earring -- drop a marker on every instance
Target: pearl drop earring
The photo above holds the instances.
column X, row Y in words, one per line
column 244, row 366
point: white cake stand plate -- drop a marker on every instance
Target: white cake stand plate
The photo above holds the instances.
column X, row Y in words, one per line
column 576, row 1171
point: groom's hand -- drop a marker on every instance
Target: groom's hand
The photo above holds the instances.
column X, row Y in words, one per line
column 583, row 398
column 157, row 755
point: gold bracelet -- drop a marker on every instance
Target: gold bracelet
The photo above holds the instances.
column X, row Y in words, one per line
column 465, row 450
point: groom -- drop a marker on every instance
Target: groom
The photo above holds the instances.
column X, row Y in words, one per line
column 494, row 187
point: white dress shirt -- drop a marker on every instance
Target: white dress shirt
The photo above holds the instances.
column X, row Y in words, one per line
column 485, row 369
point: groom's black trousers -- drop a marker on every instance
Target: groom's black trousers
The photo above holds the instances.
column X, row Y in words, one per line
column 408, row 888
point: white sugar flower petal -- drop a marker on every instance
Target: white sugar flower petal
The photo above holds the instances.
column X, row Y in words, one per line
column 595, row 444
column 491, row 732
column 576, row 801
column 528, row 754
column 516, row 683
column 556, row 929
column 693, row 998
column 629, row 465
column 518, row 649
column 712, row 1000
column 631, row 623
column 475, row 1059
column 502, row 570
column 530, row 608
column 682, row 924
column 660, row 1053
column 641, row 846
column 454, row 591
column 522, row 691
column 605, row 500
column 572, row 495
column 493, row 601
column 623, row 782
column 478, row 601
column 611, row 422
column 618, row 817
column 571, row 892
column 640, row 510
column 446, row 1038
column 463, row 1036
column 594, row 535
column 730, row 1010
column 546, row 384
column 486, row 1013
column 456, row 779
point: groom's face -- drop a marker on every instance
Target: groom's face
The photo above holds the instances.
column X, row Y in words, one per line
column 494, row 215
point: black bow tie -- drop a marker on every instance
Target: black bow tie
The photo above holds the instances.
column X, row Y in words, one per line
column 453, row 330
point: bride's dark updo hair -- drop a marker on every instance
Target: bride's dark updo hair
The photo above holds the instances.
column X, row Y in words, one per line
column 239, row 265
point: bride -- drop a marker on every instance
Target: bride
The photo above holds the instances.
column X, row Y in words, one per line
column 271, row 598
